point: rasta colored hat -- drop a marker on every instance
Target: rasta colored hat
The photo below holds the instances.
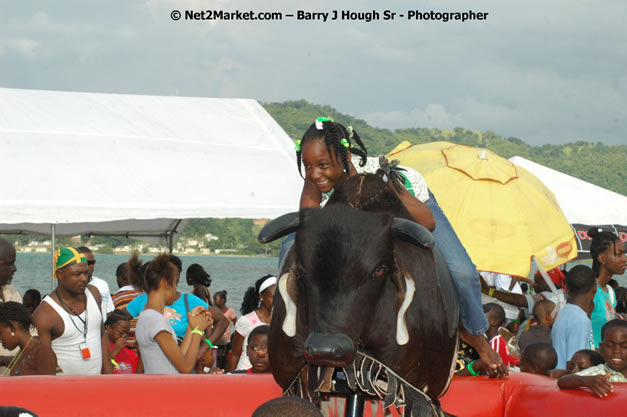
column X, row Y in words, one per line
column 66, row 257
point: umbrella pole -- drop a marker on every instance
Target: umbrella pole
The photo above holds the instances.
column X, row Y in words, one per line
column 549, row 282
column 52, row 233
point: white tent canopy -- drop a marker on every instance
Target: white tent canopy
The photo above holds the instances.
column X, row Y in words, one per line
column 585, row 205
column 136, row 165
column 581, row 202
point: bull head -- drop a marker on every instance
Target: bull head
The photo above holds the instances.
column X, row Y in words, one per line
column 335, row 346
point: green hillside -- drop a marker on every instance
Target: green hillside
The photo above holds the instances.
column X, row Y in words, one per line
column 595, row 163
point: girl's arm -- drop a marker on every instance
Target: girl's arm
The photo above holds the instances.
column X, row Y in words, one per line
column 419, row 210
column 236, row 351
column 140, row 362
column 311, row 197
column 194, row 320
column 598, row 384
column 184, row 363
column 46, row 361
column 184, row 358
column 220, row 324
column 117, row 347
column 187, row 340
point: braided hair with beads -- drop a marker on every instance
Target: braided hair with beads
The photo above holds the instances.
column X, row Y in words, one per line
column 601, row 241
column 338, row 140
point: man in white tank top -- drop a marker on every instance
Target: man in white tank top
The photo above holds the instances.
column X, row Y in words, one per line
column 70, row 321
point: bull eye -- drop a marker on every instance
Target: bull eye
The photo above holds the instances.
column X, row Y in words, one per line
column 379, row 272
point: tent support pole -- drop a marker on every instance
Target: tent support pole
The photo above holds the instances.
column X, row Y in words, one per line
column 52, row 238
column 169, row 239
column 549, row 282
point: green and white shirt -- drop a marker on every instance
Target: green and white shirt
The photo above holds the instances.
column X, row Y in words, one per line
column 603, row 369
column 414, row 182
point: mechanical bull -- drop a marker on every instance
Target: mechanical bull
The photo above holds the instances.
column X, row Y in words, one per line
column 363, row 290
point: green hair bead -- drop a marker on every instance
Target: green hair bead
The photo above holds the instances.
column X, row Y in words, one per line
column 345, row 143
column 297, row 145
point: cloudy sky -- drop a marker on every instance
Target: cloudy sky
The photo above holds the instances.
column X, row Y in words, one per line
column 545, row 72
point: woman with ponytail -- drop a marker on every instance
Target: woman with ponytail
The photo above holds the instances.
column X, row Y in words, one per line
column 256, row 310
column 200, row 279
column 608, row 259
column 160, row 351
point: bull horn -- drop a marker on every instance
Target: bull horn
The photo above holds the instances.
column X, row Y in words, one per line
column 279, row 227
column 289, row 323
column 412, row 232
column 402, row 333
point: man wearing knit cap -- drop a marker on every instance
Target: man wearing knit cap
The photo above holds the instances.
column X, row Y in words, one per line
column 69, row 318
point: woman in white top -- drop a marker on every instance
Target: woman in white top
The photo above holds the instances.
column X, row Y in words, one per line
column 160, row 352
column 256, row 309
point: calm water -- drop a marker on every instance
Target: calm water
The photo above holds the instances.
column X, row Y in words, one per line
column 234, row 274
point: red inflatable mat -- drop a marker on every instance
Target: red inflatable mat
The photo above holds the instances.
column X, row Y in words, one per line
column 521, row 395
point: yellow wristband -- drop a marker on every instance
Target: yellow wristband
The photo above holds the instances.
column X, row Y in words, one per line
column 196, row 331
column 491, row 292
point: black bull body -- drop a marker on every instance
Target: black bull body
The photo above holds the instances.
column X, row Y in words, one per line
column 360, row 287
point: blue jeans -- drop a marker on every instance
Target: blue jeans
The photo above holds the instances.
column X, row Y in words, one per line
column 463, row 271
column 285, row 247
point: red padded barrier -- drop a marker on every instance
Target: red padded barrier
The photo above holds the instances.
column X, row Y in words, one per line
column 139, row 395
column 539, row 396
column 521, row 395
column 474, row 396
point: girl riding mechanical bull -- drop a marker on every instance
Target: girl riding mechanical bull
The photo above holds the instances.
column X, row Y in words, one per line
column 326, row 151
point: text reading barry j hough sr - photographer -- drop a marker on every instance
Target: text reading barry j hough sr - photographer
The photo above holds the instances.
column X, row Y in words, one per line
column 332, row 15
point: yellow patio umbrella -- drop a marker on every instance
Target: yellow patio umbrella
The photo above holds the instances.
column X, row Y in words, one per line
column 501, row 212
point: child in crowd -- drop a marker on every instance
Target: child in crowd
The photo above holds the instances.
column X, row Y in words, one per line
column 541, row 331
column 496, row 319
column 155, row 336
column 538, row 358
column 613, row 348
column 200, row 279
column 608, row 259
column 124, row 361
column 257, row 351
column 256, row 310
column 34, row 357
column 32, row 299
column 584, row 359
column 219, row 302
column 572, row 330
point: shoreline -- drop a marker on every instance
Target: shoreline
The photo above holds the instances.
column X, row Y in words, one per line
column 155, row 254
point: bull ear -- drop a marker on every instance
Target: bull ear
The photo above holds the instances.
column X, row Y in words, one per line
column 412, row 232
column 279, row 227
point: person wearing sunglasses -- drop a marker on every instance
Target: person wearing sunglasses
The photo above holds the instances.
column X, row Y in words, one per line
column 105, row 294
